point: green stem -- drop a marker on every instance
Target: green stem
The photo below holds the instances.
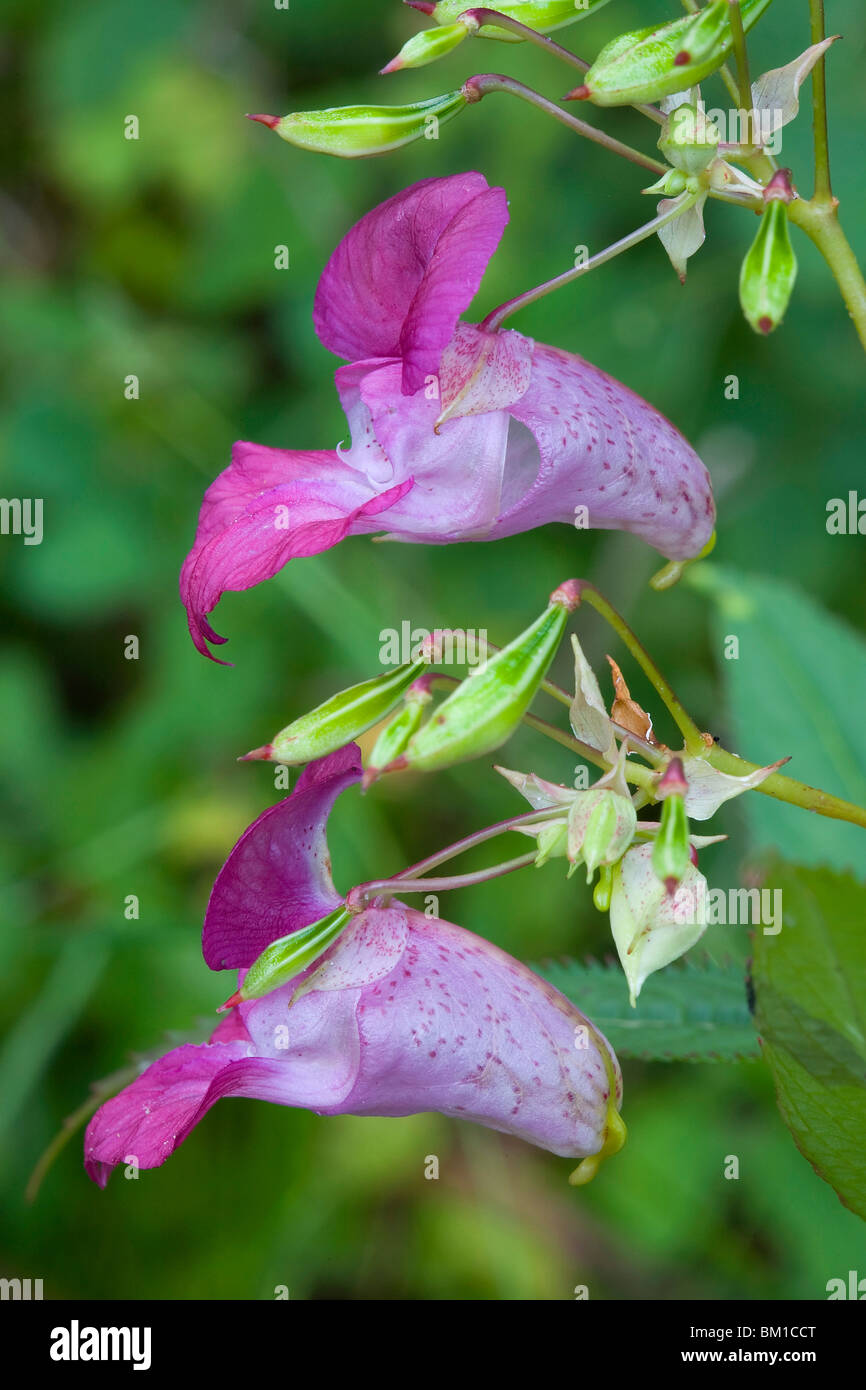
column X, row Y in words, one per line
column 777, row 786
column 498, row 316
column 486, row 82
column 478, row 837
column 694, row 739
column 376, row 887
column 787, row 789
column 823, row 189
column 744, row 80
column 820, row 221
column 494, row 18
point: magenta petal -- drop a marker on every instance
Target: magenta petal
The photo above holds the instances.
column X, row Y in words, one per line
column 399, row 280
column 450, row 284
column 277, row 878
column 148, row 1120
column 271, row 506
column 594, row 444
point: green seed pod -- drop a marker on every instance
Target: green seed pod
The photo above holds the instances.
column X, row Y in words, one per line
column 336, row 722
column 541, row 15
column 353, row 132
column 602, row 892
column 769, row 271
column 552, row 841
column 394, row 738
column 428, row 45
column 689, row 141
column 671, row 854
column 487, row 707
column 649, row 64
column 702, row 33
column 290, row 955
column 601, row 826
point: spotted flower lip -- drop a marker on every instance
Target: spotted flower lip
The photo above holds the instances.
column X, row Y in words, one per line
column 456, row 433
column 404, row 1014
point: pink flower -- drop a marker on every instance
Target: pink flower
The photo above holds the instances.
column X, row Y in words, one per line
column 403, row 1014
column 456, row 433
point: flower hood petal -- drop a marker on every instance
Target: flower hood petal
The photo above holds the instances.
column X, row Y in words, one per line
column 400, row 279
column 277, row 878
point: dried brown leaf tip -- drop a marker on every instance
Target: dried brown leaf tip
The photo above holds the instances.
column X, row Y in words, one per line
column 626, row 712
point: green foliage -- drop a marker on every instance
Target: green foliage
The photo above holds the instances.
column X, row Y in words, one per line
column 797, row 687
column 156, row 257
column 696, row 1012
column 810, row 991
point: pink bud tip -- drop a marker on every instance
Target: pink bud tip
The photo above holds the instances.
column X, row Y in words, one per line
column 578, row 94
column 270, row 121
column 230, row 1003
column 394, row 66
column 258, row 755
column 780, row 187
column 673, row 783
column 671, row 886
column 765, row 324
column 682, row 59
column 425, row 6
column 398, row 764
column 567, row 595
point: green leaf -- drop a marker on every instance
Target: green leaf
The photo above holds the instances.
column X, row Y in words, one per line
column 810, row 1001
column 798, row 688
column 694, row 1012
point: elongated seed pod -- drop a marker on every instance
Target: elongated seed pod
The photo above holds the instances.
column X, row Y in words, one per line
column 487, row 707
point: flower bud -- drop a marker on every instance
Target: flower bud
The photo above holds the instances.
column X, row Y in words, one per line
column 670, row 185
column 339, row 720
column 395, row 737
column 487, row 707
column 430, row 44
column 289, row 956
column 551, row 838
column 671, row 854
column 648, row 64
column 689, row 141
column 602, row 821
column 769, row 271
column 651, row 928
column 353, row 132
column 601, row 826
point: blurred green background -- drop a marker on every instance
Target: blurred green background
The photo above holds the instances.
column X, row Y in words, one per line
column 155, row 257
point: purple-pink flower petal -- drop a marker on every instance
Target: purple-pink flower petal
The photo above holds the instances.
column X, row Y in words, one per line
column 456, row 433
column 277, row 878
column 423, row 1016
column 400, row 279
column 457, row 469
column 598, row 445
